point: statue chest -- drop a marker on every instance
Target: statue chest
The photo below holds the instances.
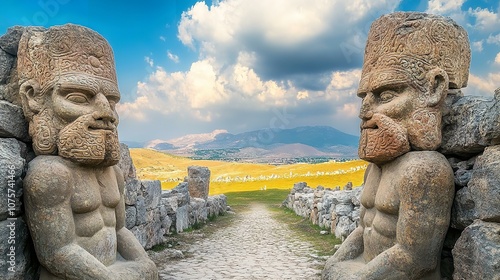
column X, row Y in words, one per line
column 93, row 189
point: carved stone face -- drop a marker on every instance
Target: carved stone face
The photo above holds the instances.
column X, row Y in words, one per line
column 411, row 60
column 71, row 105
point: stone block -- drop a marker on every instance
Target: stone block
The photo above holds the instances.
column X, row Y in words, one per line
column 198, row 181
column 182, row 218
column 12, row 122
column 132, row 186
column 9, row 42
column 16, row 251
column 477, row 252
column 12, row 168
column 141, row 211
column 463, row 212
column 472, row 124
column 6, row 63
column 151, row 190
column 130, row 216
column 126, row 164
column 485, row 184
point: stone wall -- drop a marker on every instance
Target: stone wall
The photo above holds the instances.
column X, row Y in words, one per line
column 152, row 213
column 332, row 209
column 17, row 256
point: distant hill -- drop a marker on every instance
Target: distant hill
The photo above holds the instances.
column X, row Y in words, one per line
column 306, row 141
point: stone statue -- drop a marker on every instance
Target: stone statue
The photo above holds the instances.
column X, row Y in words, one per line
column 74, row 192
column 412, row 61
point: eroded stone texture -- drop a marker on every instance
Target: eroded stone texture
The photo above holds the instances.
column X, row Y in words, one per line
column 12, row 123
column 477, row 252
column 484, row 184
column 198, row 181
column 411, row 62
column 73, row 190
column 472, row 124
column 12, row 168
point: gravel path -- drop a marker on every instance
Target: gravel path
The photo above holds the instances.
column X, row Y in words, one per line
column 255, row 246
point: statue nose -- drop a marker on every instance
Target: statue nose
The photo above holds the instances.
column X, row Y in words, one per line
column 104, row 111
column 366, row 111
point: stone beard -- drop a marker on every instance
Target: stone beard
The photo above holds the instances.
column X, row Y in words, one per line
column 86, row 140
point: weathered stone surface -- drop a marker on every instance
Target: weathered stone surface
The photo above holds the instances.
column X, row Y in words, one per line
column 141, row 211
column 126, row 164
column 153, row 229
column 182, row 218
column 132, row 187
column 198, row 181
column 6, row 63
column 170, row 204
column 9, row 42
column 472, row 124
column 411, row 62
column 12, row 167
column 477, row 252
column 12, row 122
column 130, row 216
column 16, row 251
column 166, row 221
column 464, row 211
column 484, row 184
column 151, row 190
column 198, row 213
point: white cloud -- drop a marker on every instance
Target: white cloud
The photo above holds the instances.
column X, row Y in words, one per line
column 493, row 39
column 477, row 46
column 149, row 61
column 172, row 57
column 444, row 6
column 497, row 59
column 256, row 57
column 483, row 86
column 485, row 20
column 163, row 38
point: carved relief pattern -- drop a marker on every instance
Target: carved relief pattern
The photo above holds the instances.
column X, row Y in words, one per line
column 87, row 146
column 62, row 49
column 415, row 43
column 43, row 133
column 385, row 143
column 425, row 133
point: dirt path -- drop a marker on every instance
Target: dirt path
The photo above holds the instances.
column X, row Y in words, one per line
column 255, row 246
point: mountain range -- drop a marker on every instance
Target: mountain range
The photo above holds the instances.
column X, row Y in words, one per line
column 261, row 145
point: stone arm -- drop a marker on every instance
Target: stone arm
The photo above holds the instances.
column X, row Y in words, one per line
column 426, row 195
column 47, row 196
column 128, row 246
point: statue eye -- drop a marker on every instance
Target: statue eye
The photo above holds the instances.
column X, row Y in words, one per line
column 77, row 97
column 387, row 95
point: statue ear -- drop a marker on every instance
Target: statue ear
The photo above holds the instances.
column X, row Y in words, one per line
column 438, row 86
column 32, row 96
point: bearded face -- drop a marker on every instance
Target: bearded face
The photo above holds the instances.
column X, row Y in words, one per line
column 79, row 123
column 395, row 120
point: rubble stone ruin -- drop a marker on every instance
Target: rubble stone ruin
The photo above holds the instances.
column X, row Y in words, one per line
column 412, row 62
column 73, row 190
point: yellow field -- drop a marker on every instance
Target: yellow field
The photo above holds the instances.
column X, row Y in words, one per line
column 233, row 176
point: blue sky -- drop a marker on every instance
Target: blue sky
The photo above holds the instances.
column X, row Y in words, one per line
column 192, row 67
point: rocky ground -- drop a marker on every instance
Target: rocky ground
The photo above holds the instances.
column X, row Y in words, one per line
column 252, row 246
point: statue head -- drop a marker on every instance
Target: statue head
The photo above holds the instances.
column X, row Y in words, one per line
column 411, row 62
column 68, row 89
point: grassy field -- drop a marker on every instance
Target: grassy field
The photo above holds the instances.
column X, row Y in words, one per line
column 236, row 177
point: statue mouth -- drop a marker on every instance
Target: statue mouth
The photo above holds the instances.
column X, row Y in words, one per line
column 101, row 125
column 369, row 124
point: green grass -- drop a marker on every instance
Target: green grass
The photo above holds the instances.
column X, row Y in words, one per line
column 304, row 229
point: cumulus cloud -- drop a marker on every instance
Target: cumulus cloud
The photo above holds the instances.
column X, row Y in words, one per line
column 483, row 86
column 257, row 58
column 477, row 46
column 485, row 20
column 173, row 57
column 493, row 39
column 444, row 6
column 497, row 59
